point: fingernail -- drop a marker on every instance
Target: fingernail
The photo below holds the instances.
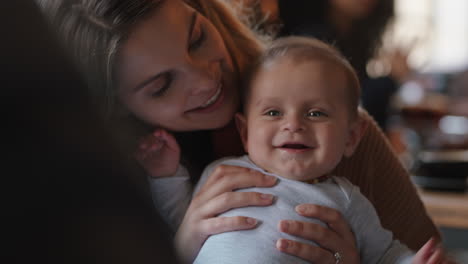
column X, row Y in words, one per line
column 284, row 226
column 270, row 179
column 157, row 133
column 282, row 244
column 301, row 209
column 251, row 221
column 266, row 196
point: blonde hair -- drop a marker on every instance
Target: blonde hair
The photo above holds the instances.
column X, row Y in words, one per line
column 93, row 31
column 305, row 49
column 243, row 43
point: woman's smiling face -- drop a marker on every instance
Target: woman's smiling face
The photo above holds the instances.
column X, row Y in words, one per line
column 175, row 72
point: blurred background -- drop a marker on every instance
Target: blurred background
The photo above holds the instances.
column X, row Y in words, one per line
column 433, row 31
column 412, row 61
column 427, row 119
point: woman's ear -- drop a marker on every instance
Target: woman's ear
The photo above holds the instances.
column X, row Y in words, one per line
column 241, row 123
column 356, row 131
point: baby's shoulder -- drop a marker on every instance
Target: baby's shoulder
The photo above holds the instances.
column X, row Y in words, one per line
column 347, row 187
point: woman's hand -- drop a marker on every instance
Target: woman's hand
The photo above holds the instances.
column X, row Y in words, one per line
column 217, row 196
column 337, row 242
column 159, row 154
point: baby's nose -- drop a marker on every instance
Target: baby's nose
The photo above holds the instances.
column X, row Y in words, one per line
column 294, row 123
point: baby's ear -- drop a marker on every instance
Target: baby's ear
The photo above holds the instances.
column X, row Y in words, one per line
column 356, row 131
column 241, row 123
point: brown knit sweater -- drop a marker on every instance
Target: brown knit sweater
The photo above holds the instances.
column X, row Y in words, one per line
column 375, row 168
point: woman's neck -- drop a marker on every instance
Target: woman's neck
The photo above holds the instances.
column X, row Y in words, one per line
column 226, row 141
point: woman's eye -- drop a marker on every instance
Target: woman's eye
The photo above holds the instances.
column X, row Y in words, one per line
column 273, row 113
column 165, row 86
column 198, row 40
column 316, row 114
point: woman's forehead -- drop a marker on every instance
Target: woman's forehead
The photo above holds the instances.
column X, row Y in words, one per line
column 155, row 44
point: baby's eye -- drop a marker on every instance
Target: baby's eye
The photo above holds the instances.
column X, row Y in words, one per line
column 273, row 113
column 316, row 114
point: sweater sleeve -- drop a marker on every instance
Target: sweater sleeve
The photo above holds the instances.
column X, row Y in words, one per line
column 172, row 196
column 375, row 168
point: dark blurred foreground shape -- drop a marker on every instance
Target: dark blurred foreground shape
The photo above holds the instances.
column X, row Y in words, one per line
column 68, row 195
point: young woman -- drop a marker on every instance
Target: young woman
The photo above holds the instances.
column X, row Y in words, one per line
column 176, row 65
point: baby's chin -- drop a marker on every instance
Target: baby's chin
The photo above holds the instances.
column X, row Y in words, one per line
column 290, row 169
column 297, row 175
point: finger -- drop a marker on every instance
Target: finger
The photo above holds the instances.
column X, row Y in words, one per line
column 147, row 142
column 218, row 225
column 230, row 200
column 156, row 145
column 426, row 250
column 304, row 251
column 436, row 257
column 331, row 217
column 147, row 149
column 311, row 231
column 143, row 143
column 223, row 170
column 228, row 178
column 168, row 138
column 142, row 152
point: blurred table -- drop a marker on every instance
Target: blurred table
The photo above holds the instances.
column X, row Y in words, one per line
column 447, row 209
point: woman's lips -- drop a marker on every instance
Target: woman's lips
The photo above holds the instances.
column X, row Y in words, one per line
column 213, row 103
column 213, row 98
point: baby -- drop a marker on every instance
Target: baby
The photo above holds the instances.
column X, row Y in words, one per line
column 300, row 119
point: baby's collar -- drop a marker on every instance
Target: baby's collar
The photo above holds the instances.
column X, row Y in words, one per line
column 311, row 181
column 319, row 179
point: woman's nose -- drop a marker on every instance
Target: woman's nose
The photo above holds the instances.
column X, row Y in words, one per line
column 205, row 76
column 294, row 123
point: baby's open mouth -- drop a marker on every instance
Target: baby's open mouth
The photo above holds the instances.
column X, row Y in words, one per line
column 294, row 146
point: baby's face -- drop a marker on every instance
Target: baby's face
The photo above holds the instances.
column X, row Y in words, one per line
column 297, row 122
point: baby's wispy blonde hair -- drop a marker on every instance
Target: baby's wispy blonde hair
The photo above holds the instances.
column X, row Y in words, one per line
column 306, row 49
